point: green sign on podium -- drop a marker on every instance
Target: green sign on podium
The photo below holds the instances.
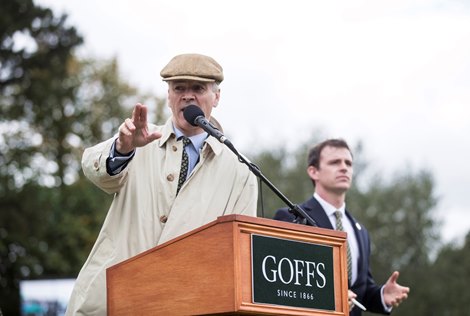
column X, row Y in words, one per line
column 292, row 273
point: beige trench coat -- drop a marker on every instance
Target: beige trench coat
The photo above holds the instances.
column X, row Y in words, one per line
column 144, row 192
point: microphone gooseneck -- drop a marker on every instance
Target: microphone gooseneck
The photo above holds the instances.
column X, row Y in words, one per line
column 195, row 116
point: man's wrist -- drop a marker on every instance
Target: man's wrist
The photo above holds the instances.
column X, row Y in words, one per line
column 122, row 154
column 122, row 151
column 387, row 308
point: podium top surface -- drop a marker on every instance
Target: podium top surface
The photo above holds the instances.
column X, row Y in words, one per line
column 278, row 224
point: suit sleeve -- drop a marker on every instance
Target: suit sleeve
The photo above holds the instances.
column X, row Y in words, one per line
column 284, row 215
column 373, row 294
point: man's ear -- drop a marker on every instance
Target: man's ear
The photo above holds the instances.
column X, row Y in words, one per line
column 217, row 98
column 312, row 172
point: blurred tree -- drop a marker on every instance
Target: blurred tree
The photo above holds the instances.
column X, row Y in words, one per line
column 399, row 216
column 35, row 51
column 287, row 171
column 398, row 213
column 52, row 105
column 446, row 292
column 36, row 59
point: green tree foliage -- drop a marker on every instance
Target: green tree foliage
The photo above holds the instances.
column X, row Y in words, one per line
column 286, row 170
column 35, row 51
column 52, row 105
column 398, row 213
column 447, row 283
column 399, row 216
column 36, row 60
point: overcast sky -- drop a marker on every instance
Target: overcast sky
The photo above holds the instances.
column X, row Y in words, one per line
column 392, row 74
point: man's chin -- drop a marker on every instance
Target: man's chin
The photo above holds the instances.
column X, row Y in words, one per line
column 342, row 188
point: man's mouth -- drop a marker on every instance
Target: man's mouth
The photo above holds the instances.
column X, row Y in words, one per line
column 184, row 107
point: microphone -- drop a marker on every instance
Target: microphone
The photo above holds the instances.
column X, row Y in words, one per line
column 194, row 116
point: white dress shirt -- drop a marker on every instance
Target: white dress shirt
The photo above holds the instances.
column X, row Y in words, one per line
column 348, row 228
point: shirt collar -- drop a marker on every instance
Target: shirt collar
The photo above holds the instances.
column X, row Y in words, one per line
column 329, row 209
column 169, row 131
column 196, row 140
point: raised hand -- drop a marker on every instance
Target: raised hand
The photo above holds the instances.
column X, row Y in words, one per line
column 134, row 131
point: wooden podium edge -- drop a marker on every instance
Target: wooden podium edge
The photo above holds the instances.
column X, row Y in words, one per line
column 248, row 225
column 241, row 219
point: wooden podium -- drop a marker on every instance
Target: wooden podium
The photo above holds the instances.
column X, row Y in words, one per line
column 208, row 271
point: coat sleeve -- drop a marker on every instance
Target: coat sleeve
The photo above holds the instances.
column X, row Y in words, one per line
column 247, row 202
column 94, row 168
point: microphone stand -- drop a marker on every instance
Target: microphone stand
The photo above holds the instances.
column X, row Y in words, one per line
column 194, row 116
column 301, row 216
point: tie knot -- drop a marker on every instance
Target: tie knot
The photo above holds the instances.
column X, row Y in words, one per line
column 186, row 140
column 339, row 221
column 338, row 214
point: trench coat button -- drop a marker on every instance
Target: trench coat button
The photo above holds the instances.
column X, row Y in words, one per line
column 170, row 177
column 163, row 219
column 174, row 148
column 96, row 165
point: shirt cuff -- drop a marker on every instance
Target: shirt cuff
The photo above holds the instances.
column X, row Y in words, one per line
column 116, row 161
column 387, row 308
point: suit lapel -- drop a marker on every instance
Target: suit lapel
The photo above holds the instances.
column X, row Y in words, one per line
column 361, row 241
column 316, row 211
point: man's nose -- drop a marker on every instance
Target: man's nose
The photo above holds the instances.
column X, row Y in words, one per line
column 188, row 96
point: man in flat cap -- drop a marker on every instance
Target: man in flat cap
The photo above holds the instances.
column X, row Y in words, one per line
column 155, row 199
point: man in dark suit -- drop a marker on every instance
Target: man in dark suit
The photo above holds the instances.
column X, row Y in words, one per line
column 330, row 166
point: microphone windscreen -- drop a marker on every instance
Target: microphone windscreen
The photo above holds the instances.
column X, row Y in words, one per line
column 191, row 112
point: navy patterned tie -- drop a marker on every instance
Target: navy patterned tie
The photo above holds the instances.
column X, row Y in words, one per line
column 339, row 226
column 184, row 163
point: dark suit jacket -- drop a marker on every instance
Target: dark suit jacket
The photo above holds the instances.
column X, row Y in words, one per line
column 368, row 293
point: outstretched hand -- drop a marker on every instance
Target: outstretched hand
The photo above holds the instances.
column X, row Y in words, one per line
column 394, row 293
column 134, row 131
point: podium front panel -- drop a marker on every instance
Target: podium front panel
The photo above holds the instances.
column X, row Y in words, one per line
column 208, row 271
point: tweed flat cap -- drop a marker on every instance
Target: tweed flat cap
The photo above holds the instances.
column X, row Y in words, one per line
column 193, row 67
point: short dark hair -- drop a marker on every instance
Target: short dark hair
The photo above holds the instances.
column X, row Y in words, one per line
column 315, row 152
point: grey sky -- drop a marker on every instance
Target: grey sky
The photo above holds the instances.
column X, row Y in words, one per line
column 394, row 74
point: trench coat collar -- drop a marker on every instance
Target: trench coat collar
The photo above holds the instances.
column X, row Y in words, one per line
column 168, row 132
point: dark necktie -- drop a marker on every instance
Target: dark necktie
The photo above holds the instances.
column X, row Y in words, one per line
column 339, row 226
column 184, row 163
